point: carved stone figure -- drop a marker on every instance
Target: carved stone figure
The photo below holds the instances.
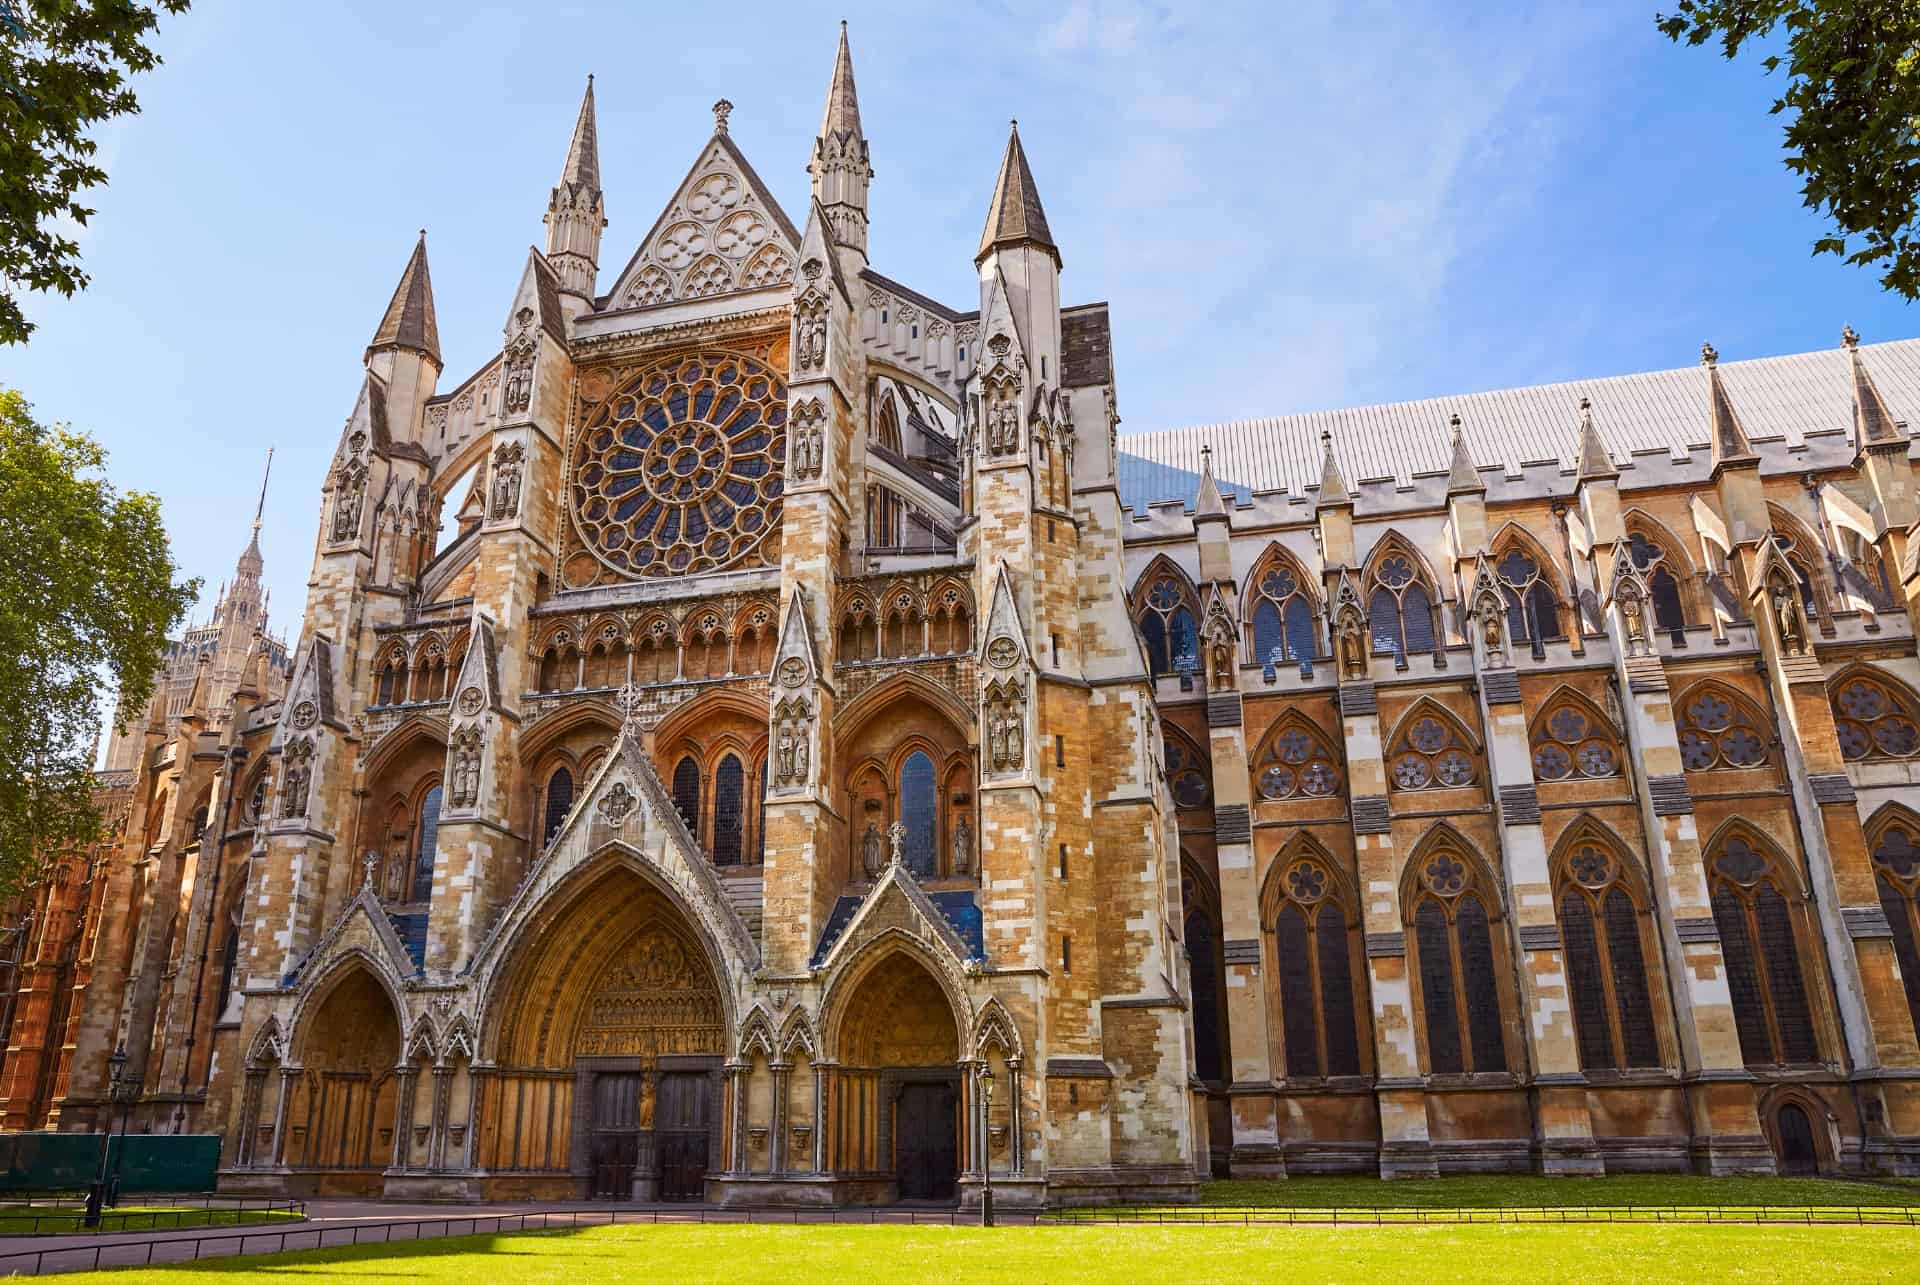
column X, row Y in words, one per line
column 810, row 332
column 1006, row 727
column 785, row 752
column 647, row 1098
column 465, row 776
column 296, row 777
column 962, row 863
column 507, row 464
column 349, row 492
column 1221, row 651
column 897, row 843
column 1633, row 624
column 1353, row 652
column 1490, row 635
column 1786, row 615
column 517, row 392
column 617, row 804
column 873, row 856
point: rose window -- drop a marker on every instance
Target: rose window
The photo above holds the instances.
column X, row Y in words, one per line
column 1429, row 755
column 1446, row 876
column 1872, row 723
column 680, row 470
column 1307, row 882
column 1714, row 733
column 1740, row 863
column 1569, row 744
column 1591, row 868
column 1188, row 782
column 1296, row 764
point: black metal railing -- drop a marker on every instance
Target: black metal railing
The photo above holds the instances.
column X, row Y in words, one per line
column 63, row 1212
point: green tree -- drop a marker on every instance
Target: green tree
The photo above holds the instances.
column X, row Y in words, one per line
column 64, row 66
column 87, row 590
column 1853, row 98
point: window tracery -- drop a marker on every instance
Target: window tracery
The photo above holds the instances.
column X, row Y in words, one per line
column 1874, row 720
column 1187, row 773
column 1753, row 908
column 1430, row 754
column 1571, row 743
column 1533, row 608
column 1295, row 762
column 1656, row 565
column 680, row 471
column 1281, row 622
column 1802, row 560
column 558, row 802
column 426, row 835
column 1604, row 933
column 1314, row 945
column 1206, row 972
column 1168, row 615
column 1716, row 731
column 1454, row 957
column 1895, row 844
column 1400, row 607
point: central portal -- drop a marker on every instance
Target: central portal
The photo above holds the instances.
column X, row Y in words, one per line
column 897, row 1100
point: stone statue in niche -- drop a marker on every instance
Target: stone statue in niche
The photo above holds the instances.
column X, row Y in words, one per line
column 1786, row 614
column 1006, row 728
column 349, row 490
column 785, row 752
column 1221, row 652
column 962, row 863
column 810, row 333
column 1633, row 624
column 507, row 464
column 466, row 769
column 395, row 880
column 296, row 777
column 517, row 392
column 648, row 1096
column 1490, row 635
column 873, row 857
column 1353, row 652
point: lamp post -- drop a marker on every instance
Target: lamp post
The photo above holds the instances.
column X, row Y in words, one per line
column 96, row 1194
column 986, row 1145
column 122, row 1090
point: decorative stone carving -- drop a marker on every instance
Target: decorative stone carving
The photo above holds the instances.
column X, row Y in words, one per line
column 1784, row 599
column 897, row 843
column 1221, row 635
column 349, row 495
column 1003, row 416
column 520, row 354
column 810, row 333
column 507, row 464
column 304, row 715
column 617, row 804
column 1002, row 652
column 1489, row 611
column 470, row 701
column 793, row 737
column 1629, row 593
column 872, row 851
column 1349, row 630
column 296, row 777
column 1006, row 720
column 464, row 778
column 962, row 863
column 808, row 455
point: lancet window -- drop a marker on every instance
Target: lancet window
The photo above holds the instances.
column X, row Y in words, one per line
column 1168, row 618
column 1716, row 731
column 1875, row 720
column 1280, row 613
column 1653, row 561
column 426, row 843
column 558, row 801
column 1314, row 945
column 1533, row 609
column 1755, row 908
column 1206, row 972
column 1604, row 929
column 1400, row 608
column 1895, row 844
column 1454, row 957
column 1571, row 743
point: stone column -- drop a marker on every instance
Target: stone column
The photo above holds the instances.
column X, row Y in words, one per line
column 403, row 1117
column 437, row 1137
column 777, row 1143
column 288, row 1074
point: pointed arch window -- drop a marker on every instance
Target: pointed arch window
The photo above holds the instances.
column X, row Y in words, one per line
column 559, row 802
column 1454, row 954
column 859, row 632
column 1294, row 763
column 729, row 811
column 1651, row 560
column 1314, row 945
column 1802, row 560
column 1753, row 907
column 919, row 809
column 1167, row 626
column 1533, row 610
column 1430, row 755
column 1400, row 609
column 427, row 837
column 1186, row 773
column 1281, row 624
column 1570, row 744
column 1604, row 931
column 1866, row 572
column 1717, row 732
column 1896, row 872
column 1874, row 720
column 686, row 792
column 1205, row 973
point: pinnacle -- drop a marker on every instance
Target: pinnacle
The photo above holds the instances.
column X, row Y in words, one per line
column 1015, row 216
column 409, row 320
column 1592, row 461
column 1872, row 422
column 1729, row 442
column 1463, row 476
column 842, row 115
column 582, row 170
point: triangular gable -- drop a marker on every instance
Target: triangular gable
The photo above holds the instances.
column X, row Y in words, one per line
column 538, row 294
column 796, row 643
column 309, row 695
column 898, row 903
column 1003, row 340
column 721, row 233
column 362, row 925
column 479, row 674
column 817, row 258
column 1003, row 623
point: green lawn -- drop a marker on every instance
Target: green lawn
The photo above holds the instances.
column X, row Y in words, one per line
column 1526, row 1191
column 65, row 1219
column 844, row 1254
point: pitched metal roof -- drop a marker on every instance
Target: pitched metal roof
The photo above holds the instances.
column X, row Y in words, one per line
column 1776, row 398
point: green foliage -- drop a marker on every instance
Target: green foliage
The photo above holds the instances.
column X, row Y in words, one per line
column 64, row 65
column 1853, row 95
column 86, row 589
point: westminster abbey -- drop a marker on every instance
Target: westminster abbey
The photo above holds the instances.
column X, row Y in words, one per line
column 825, row 763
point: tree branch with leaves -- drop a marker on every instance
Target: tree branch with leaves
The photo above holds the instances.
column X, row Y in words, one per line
column 64, row 67
column 1853, row 101
column 87, row 599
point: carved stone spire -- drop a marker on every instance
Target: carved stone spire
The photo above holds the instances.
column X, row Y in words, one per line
column 409, row 320
column 841, row 164
column 582, row 170
column 1592, row 461
column 576, row 212
column 1333, row 487
column 1873, row 424
column 1463, row 476
column 1015, row 217
column 1207, row 503
column 1729, row 441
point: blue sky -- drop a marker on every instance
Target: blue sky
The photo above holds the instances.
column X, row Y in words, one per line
column 1288, row 207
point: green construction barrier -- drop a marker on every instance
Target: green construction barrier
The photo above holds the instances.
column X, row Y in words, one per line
column 71, row 1161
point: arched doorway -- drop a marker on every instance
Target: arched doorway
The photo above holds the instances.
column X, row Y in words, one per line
column 899, row 1095
column 609, row 1031
column 340, row 1119
column 1798, row 1155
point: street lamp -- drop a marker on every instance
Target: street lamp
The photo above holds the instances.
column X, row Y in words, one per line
column 96, row 1194
column 122, row 1091
column 986, row 1143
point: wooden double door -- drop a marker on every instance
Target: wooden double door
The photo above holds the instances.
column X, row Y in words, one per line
column 926, row 1141
column 672, row 1151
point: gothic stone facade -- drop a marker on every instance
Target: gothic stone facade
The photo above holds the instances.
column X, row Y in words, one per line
column 811, row 775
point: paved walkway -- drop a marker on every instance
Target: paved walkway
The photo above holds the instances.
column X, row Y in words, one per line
column 334, row 1223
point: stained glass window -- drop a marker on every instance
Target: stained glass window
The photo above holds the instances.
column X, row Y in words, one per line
column 1295, row 762
column 729, row 811
column 428, row 835
column 1282, row 614
column 1203, row 964
column 1874, row 720
column 1651, row 559
column 1532, row 612
column 1896, row 862
column 1762, row 952
column 1166, row 616
column 686, row 792
column 1313, row 945
column 559, row 802
column 918, row 812
column 1459, row 987
column 1400, row 609
column 1431, row 756
column 1716, row 731
column 1569, row 743
column 1186, row 774
column 1600, row 928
